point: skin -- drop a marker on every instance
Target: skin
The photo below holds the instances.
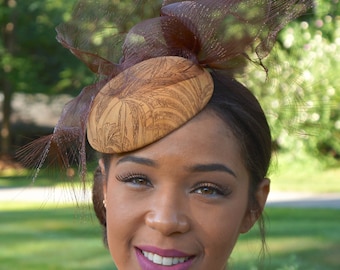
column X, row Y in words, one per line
column 188, row 192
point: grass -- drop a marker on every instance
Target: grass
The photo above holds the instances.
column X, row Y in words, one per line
column 297, row 239
column 36, row 236
column 51, row 236
column 46, row 177
column 302, row 173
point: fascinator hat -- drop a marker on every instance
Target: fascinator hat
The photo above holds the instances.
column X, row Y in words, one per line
column 155, row 76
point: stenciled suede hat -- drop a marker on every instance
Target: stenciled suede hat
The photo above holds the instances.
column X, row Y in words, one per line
column 153, row 77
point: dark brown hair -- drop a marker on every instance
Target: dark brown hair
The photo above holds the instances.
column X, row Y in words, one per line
column 240, row 110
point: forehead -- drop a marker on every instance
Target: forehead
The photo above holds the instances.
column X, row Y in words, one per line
column 205, row 131
column 203, row 139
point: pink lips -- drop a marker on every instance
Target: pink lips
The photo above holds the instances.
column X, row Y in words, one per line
column 164, row 252
column 184, row 262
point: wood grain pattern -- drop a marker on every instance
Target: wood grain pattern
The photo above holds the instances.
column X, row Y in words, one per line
column 146, row 102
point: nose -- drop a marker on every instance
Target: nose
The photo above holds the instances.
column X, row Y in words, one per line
column 168, row 215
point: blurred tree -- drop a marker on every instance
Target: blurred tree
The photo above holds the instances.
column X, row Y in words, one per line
column 302, row 94
column 31, row 60
column 7, row 49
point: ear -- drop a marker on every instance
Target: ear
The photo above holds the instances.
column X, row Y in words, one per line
column 262, row 193
column 252, row 215
column 103, row 171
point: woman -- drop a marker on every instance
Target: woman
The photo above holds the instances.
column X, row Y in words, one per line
column 183, row 200
column 185, row 147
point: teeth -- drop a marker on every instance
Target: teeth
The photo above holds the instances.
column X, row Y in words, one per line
column 167, row 261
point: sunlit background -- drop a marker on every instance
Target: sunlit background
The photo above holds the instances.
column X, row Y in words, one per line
column 301, row 98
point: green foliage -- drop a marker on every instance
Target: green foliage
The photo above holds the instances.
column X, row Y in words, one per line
column 301, row 96
column 101, row 28
column 36, row 62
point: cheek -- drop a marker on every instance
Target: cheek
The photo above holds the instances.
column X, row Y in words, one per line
column 121, row 210
column 123, row 218
column 219, row 227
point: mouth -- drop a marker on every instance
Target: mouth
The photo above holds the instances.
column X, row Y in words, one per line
column 166, row 261
column 154, row 258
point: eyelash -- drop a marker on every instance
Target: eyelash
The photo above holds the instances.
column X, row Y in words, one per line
column 216, row 189
column 132, row 178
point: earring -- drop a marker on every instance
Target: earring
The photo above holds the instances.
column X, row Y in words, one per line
column 104, row 203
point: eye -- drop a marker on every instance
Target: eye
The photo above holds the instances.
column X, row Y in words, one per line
column 211, row 190
column 134, row 179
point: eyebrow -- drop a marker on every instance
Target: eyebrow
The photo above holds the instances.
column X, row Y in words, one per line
column 211, row 168
column 139, row 160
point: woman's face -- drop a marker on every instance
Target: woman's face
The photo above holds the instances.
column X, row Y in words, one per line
column 179, row 203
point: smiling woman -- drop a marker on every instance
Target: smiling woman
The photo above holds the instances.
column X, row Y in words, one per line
column 185, row 209
column 185, row 147
column 183, row 200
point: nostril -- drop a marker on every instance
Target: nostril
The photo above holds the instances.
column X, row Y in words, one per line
column 167, row 222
